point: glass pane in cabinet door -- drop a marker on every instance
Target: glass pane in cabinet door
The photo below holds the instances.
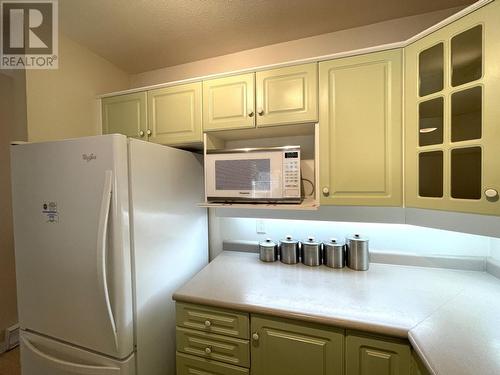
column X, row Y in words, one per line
column 430, row 122
column 466, row 173
column 466, row 114
column 467, row 56
column 431, row 73
column 430, row 174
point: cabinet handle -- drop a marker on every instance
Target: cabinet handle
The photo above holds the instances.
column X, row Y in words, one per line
column 141, row 133
column 255, row 337
column 208, row 350
column 250, row 114
column 260, row 112
column 208, row 323
column 326, row 191
column 491, row 193
column 148, row 132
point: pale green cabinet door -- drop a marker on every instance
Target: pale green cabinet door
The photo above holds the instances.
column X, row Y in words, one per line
column 361, row 130
column 125, row 114
column 284, row 347
column 452, row 114
column 367, row 355
column 287, row 95
column 417, row 367
column 175, row 114
column 229, row 103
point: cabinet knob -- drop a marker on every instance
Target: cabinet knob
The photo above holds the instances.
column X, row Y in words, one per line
column 491, row 193
column 148, row 132
column 255, row 337
column 141, row 133
column 250, row 114
column 260, row 112
column 208, row 350
column 208, row 323
column 326, row 191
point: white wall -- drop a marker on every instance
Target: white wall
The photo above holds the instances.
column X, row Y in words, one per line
column 62, row 103
column 495, row 249
column 399, row 238
column 346, row 40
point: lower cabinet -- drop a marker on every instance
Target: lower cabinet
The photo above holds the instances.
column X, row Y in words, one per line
column 191, row 365
column 282, row 347
column 367, row 355
column 417, row 367
column 215, row 341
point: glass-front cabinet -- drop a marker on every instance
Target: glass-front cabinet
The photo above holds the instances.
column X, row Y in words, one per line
column 453, row 116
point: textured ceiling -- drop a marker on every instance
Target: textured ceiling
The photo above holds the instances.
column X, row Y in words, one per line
column 141, row 35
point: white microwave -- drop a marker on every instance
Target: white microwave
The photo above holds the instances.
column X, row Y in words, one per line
column 258, row 175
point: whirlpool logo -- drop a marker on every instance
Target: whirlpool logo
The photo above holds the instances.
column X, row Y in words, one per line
column 29, row 35
column 89, row 157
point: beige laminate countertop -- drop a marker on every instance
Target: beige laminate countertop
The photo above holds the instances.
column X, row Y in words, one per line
column 451, row 317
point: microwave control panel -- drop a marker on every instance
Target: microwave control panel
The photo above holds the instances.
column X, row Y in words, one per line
column 291, row 170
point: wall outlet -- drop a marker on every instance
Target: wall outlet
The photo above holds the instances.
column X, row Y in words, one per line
column 260, row 226
column 11, row 337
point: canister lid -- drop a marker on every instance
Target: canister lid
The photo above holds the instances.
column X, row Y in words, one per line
column 267, row 243
column 288, row 240
column 310, row 241
column 357, row 237
column 332, row 242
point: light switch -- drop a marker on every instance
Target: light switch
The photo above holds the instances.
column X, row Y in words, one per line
column 260, row 226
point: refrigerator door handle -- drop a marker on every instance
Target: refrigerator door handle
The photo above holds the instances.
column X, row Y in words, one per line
column 102, row 232
column 70, row 367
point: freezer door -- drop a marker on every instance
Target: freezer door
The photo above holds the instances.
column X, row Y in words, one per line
column 72, row 245
column 42, row 356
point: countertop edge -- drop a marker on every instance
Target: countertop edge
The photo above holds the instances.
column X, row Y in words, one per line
column 352, row 324
column 416, row 347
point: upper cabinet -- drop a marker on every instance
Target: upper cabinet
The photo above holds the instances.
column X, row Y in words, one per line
column 287, row 95
column 175, row 114
column 170, row 116
column 360, row 130
column 125, row 114
column 452, row 116
column 266, row 98
column 229, row 103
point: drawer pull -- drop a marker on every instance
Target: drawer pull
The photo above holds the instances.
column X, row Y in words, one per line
column 207, row 323
column 208, row 350
column 255, row 337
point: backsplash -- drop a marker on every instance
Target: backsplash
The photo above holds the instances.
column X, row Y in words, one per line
column 397, row 238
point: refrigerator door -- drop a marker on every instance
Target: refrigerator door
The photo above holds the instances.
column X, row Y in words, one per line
column 170, row 244
column 42, row 356
column 72, row 237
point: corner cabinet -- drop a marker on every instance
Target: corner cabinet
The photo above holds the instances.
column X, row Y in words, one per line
column 287, row 95
column 367, row 355
column 229, row 103
column 174, row 114
column 283, row 347
column 360, row 130
column 125, row 114
column 453, row 116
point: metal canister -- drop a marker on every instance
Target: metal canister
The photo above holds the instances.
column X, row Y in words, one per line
column 334, row 254
column 311, row 252
column 289, row 250
column 268, row 251
column 358, row 254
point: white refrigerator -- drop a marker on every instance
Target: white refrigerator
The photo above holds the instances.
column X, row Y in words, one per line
column 106, row 229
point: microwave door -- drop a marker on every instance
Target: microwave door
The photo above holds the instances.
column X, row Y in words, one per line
column 245, row 176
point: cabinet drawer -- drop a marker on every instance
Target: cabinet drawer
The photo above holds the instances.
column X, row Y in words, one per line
column 220, row 348
column 190, row 365
column 213, row 320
